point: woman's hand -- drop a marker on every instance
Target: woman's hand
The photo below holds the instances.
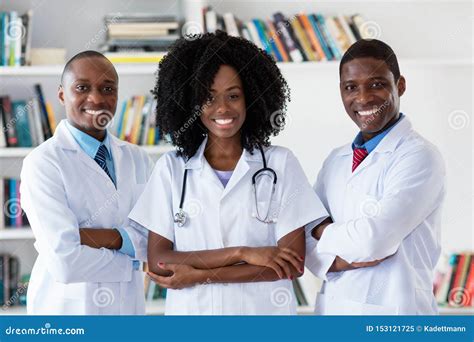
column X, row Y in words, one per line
column 183, row 276
column 281, row 260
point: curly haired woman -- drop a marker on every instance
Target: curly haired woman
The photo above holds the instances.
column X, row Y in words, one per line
column 227, row 211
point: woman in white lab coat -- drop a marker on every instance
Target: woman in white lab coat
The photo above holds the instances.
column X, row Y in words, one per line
column 218, row 246
column 84, row 266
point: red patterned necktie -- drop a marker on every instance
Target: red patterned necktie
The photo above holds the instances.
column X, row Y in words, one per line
column 358, row 157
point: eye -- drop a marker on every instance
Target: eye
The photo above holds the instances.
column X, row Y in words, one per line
column 109, row 89
column 349, row 87
column 81, row 87
column 234, row 96
column 210, row 100
column 377, row 85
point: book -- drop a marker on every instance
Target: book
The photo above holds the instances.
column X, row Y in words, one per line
column 9, row 127
column 43, row 112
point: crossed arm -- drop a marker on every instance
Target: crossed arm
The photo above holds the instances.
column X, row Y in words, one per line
column 175, row 269
column 339, row 264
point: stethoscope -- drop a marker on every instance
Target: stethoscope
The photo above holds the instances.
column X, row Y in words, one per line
column 181, row 217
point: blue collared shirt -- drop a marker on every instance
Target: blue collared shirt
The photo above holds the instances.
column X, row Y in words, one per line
column 90, row 146
column 371, row 144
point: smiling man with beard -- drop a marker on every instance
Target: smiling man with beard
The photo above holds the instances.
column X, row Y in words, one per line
column 384, row 192
column 77, row 190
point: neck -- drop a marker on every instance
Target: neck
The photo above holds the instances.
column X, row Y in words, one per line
column 223, row 153
column 366, row 136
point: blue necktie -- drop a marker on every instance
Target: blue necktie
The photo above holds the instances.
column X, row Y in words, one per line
column 100, row 159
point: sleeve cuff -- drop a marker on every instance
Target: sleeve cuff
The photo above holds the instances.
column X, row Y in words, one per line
column 127, row 245
column 136, row 265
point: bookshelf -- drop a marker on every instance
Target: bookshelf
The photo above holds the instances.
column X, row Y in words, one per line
column 435, row 59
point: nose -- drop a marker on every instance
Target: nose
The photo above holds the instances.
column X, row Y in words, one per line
column 95, row 96
column 364, row 96
column 222, row 106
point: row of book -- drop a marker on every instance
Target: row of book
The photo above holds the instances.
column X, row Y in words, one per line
column 139, row 37
column 153, row 291
column 454, row 283
column 13, row 216
column 26, row 123
column 15, row 38
column 302, row 37
column 136, row 121
column 29, row 123
column 13, row 288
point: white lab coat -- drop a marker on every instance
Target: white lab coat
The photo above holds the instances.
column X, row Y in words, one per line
column 221, row 217
column 62, row 190
column 391, row 205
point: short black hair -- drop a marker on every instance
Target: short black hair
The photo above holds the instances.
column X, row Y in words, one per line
column 373, row 48
column 185, row 77
column 81, row 55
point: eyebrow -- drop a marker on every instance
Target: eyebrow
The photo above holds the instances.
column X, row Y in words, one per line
column 369, row 78
column 230, row 88
column 86, row 80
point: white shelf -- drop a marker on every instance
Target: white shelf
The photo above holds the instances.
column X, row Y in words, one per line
column 155, row 308
column 16, row 310
column 13, row 233
column 446, row 310
column 150, row 69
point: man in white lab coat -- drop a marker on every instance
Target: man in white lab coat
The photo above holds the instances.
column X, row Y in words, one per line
column 384, row 192
column 77, row 190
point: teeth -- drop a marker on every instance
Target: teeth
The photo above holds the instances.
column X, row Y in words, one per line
column 223, row 121
column 368, row 112
column 96, row 112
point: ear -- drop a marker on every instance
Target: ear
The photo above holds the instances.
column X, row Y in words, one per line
column 401, row 85
column 61, row 94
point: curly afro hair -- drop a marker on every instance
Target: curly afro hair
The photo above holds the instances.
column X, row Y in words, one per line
column 186, row 74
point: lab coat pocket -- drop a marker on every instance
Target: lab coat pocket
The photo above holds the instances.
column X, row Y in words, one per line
column 262, row 225
column 137, row 192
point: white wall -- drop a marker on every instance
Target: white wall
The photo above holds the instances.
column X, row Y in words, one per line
column 421, row 30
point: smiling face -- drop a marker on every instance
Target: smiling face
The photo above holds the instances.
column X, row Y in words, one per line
column 370, row 94
column 89, row 94
column 224, row 114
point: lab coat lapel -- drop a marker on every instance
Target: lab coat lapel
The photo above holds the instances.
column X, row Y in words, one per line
column 387, row 145
column 240, row 171
column 66, row 141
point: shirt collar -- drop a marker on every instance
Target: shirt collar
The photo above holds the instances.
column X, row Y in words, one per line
column 371, row 144
column 88, row 144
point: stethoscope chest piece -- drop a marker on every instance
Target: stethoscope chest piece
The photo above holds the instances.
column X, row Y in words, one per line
column 180, row 218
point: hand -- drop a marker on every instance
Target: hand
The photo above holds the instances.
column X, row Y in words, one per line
column 183, row 276
column 340, row 264
column 318, row 231
column 276, row 258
